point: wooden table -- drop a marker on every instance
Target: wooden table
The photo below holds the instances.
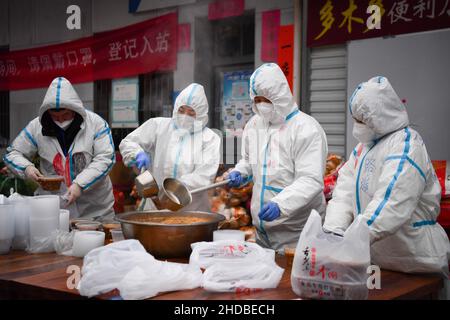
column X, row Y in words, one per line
column 44, row 276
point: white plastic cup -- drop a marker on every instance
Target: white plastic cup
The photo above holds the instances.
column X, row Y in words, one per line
column 7, row 227
column 44, row 218
column 64, row 217
column 117, row 235
column 85, row 241
column 237, row 235
column 22, row 210
column 46, row 206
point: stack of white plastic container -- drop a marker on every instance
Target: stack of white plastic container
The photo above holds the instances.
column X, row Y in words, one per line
column 44, row 221
column 29, row 223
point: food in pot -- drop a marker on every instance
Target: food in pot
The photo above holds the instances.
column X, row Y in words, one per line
column 88, row 226
column 51, row 183
column 168, row 220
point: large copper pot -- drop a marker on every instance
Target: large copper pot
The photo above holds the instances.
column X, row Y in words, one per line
column 168, row 240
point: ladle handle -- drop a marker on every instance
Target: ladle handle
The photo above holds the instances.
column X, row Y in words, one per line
column 218, row 184
column 215, row 185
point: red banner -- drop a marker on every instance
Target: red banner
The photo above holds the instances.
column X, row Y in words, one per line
column 286, row 52
column 221, row 9
column 140, row 48
column 269, row 35
column 337, row 21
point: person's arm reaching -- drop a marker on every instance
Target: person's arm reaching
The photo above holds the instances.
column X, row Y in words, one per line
column 140, row 140
column 205, row 172
column 401, row 182
column 19, row 155
column 102, row 161
column 309, row 155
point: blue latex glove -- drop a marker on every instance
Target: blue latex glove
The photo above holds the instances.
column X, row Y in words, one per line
column 142, row 160
column 269, row 212
column 235, row 179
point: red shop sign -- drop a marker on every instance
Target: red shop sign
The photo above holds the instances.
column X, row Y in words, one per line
column 337, row 21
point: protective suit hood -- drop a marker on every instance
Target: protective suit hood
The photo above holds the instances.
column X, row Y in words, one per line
column 270, row 82
column 193, row 96
column 61, row 94
column 376, row 104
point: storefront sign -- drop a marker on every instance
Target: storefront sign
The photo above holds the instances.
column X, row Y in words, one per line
column 125, row 103
column 269, row 35
column 337, row 21
column 221, row 9
column 140, row 48
column 286, row 52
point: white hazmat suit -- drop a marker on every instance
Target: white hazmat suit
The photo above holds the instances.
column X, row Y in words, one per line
column 189, row 156
column 88, row 162
column 392, row 183
column 286, row 160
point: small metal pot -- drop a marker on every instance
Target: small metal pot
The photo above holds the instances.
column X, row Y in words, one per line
column 146, row 185
column 175, row 195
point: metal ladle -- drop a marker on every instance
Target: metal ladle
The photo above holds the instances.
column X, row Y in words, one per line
column 174, row 195
column 146, row 186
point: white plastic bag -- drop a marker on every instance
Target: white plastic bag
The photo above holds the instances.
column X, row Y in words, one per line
column 239, row 277
column 63, row 242
column 126, row 266
column 148, row 281
column 42, row 244
column 328, row 266
column 235, row 266
column 206, row 254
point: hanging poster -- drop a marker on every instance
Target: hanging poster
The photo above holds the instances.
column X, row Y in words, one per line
column 236, row 102
column 125, row 103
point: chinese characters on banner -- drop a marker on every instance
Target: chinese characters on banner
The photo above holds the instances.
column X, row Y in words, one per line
column 337, row 21
column 140, row 48
column 221, row 9
column 286, row 52
column 269, row 35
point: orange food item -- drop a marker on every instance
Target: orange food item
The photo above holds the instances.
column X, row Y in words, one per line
column 250, row 233
column 169, row 220
column 51, row 183
column 333, row 162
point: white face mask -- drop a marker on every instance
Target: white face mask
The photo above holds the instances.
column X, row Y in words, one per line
column 185, row 122
column 363, row 133
column 65, row 124
column 266, row 109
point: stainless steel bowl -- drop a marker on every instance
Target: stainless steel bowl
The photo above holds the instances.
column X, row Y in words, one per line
column 168, row 240
column 174, row 195
column 146, row 185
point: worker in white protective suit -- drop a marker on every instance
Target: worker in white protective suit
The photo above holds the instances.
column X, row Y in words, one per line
column 284, row 150
column 389, row 179
column 71, row 142
column 181, row 147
